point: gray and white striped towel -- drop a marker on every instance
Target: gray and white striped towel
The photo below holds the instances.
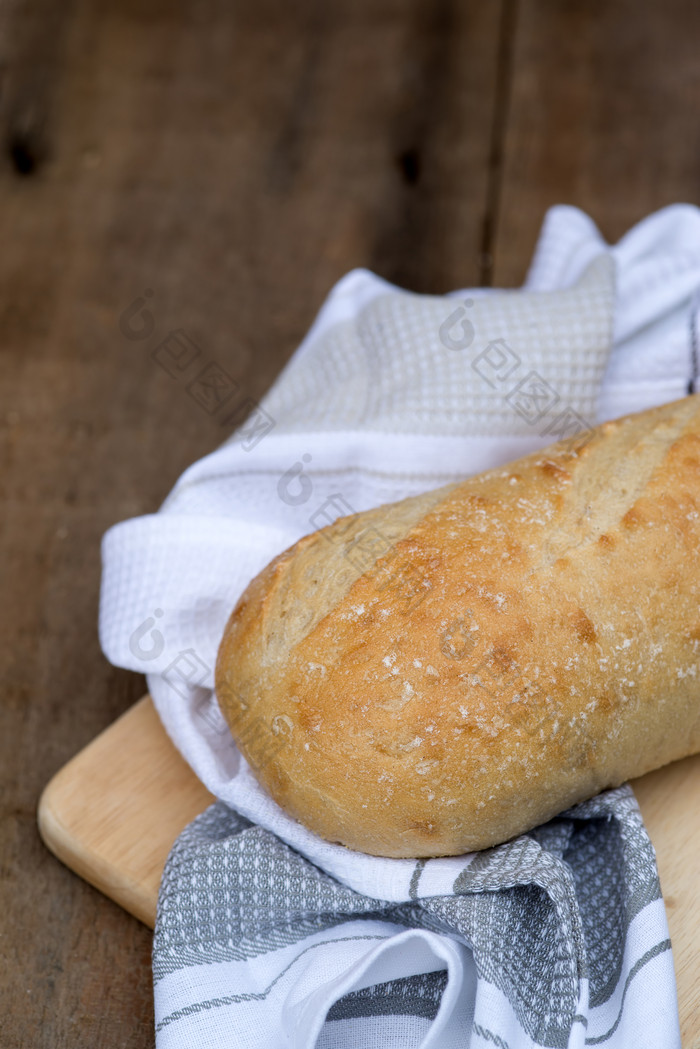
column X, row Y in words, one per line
column 556, row 939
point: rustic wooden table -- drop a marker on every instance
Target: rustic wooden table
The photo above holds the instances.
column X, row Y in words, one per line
column 234, row 160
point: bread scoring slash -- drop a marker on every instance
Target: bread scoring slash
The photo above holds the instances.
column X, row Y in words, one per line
column 443, row 673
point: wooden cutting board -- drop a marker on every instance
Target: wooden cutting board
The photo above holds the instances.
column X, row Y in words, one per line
column 113, row 812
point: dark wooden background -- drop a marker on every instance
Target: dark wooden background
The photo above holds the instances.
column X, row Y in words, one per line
column 236, row 158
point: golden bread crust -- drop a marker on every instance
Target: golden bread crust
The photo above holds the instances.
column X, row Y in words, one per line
column 508, row 646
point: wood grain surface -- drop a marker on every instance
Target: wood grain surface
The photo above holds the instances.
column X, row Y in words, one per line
column 236, row 159
column 117, row 835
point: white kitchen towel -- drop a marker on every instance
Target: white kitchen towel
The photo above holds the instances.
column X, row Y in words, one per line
column 391, row 394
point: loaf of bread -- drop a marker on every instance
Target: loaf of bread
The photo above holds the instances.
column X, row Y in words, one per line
column 443, row 673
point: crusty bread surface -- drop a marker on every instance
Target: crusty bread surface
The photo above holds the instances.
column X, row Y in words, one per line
column 441, row 674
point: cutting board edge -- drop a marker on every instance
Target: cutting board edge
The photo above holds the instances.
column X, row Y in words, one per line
column 85, row 862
